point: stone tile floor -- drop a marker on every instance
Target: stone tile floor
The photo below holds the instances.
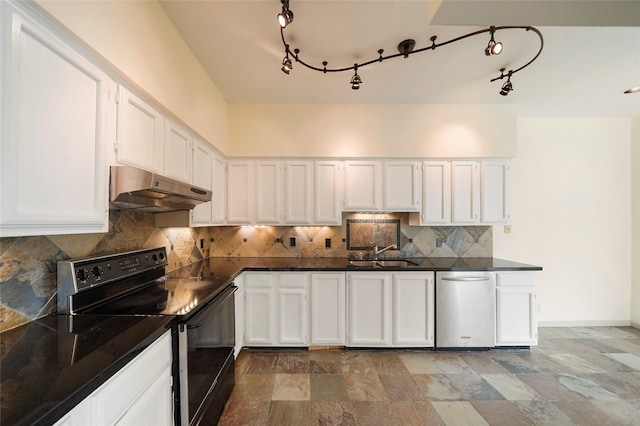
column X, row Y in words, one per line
column 575, row 376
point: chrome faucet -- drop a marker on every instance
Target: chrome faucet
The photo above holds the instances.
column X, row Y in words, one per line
column 375, row 251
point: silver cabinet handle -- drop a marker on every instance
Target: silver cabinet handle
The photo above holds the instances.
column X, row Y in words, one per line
column 466, row 278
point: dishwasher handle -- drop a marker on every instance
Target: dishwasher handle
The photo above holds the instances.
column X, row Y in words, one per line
column 466, row 278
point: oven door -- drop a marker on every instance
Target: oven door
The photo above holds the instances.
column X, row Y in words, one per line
column 205, row 349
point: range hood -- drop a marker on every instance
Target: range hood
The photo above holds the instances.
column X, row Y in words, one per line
column 135, row 189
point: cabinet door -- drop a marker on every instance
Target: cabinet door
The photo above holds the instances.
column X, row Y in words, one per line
column 140, row 133
column 297, row 192
column 436, row 194
column 154, row 407
column 203, row 163
column 292, row 316
column 413, row 309
column 240, row 192
column 258, row 330
column 328, row 185
column 219, row 188
column 178, row 152
column 495, row 178
column 259, row 309
column 143, row 383
column 401, row 186
column 292, row 308
column 516, row 309
column 328, row 309
column 268, row 192
column 368, row 309
column 54, row 128
column 362, row 182
column 465, row 192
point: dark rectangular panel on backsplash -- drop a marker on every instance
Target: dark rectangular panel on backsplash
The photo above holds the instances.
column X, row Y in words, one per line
column 362, row 234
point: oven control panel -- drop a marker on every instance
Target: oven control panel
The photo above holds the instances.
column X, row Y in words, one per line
column 78, row 275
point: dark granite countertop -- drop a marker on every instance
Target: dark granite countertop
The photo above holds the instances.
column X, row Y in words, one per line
column 229, row 267
column 51, row 364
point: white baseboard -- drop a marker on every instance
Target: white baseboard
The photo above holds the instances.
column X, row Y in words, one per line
column 587, row 323
column 635, row 324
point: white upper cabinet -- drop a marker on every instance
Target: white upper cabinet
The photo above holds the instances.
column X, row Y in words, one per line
column 140, row 133
column 495, row 180
column 297, row 192
column 362, row 185
column 54, row 109
column 465, row 192
column 328, row 185
column 402, row 186
column 436, row 193
column 203, row 163
column 268, row 184
column 178, row 152
column 219, row 196
column 240, row 192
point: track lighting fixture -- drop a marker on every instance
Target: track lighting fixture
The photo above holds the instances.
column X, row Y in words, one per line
column 286, row 16
column 356, row 81
column 507, row 86
column 405, row 49
column 493, row 48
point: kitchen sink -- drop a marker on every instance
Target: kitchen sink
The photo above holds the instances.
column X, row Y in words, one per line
column 382, row 263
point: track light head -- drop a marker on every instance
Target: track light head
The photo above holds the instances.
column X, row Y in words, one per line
column 506, row 87
column 287, row 66
column 356, row 81
column 493, row 48
column 286, row 16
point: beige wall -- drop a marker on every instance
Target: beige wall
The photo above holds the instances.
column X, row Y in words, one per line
column 139, row 42
column 635, row 221
column 571, row 204
column 372, row 130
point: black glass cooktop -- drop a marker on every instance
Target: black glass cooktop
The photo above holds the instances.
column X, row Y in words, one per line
column 167, row 296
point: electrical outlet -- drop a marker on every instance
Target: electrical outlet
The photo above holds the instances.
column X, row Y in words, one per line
column 507, row 229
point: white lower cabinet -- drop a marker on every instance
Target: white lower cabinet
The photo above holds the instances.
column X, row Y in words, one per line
column 328, row 309
column 276, row 312
column 516, row 309
column 369, row 319
column 139, row 394
column 390, row 309
column 239, row 314
column 412, row 309
column 259, row 309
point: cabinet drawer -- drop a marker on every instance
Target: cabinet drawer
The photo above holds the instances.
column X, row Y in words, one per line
column 515, row 279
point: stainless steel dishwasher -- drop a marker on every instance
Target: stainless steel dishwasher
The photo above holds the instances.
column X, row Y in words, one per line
column 465, row 310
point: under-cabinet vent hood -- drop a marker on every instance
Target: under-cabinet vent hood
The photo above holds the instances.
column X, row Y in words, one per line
column 135, row 189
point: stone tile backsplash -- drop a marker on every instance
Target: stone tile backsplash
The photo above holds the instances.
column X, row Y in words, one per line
column 28, row 264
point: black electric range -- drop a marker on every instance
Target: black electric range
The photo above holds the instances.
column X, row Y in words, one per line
column 136, row 283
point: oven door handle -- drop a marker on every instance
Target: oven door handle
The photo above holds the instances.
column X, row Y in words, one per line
column 201, row 317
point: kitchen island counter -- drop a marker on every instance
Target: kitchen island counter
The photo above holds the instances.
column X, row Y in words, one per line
column 51, row 364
